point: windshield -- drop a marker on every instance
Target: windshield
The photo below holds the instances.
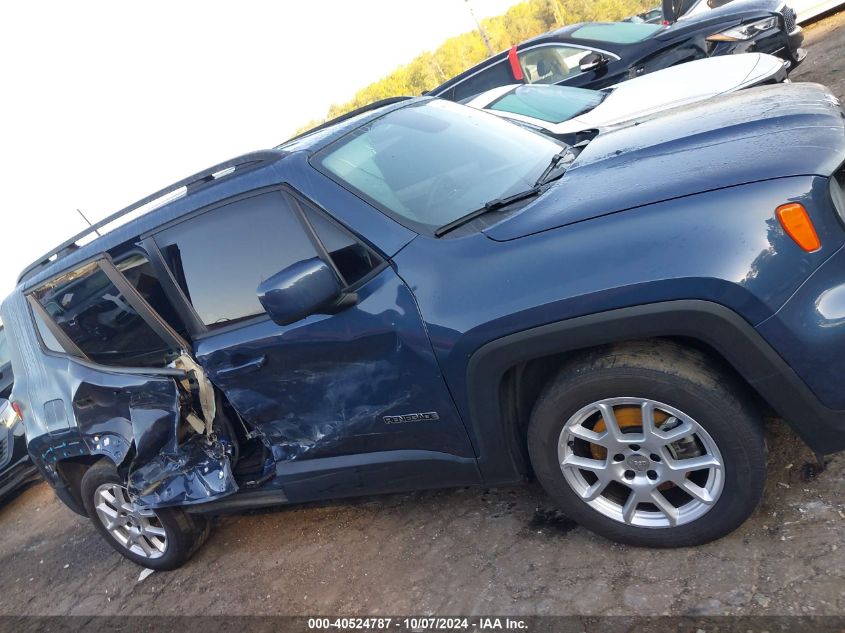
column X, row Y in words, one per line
column 616, row 33
column 553, row 104
column 434, row 161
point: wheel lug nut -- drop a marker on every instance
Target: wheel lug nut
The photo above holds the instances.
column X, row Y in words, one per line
column 654, row 457
column 618, row 457
column 635, row 447
column 652, row 475
column 629, row 474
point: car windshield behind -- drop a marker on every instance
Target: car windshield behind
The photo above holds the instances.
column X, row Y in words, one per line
column 434, row 161
column 616, row 32
column 553, row 104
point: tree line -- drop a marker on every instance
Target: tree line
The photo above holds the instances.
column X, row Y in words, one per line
column 455, row 55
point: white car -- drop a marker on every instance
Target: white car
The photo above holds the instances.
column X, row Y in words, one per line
column 804, row 9
column 562, row 111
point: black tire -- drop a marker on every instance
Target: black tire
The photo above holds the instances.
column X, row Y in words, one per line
column 185, row 533
column 677, row 376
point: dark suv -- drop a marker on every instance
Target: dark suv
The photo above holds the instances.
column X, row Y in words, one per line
column 600, row 55
column 425, row 295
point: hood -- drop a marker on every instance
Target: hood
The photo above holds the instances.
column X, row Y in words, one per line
column 676, row 86
column 755, row 134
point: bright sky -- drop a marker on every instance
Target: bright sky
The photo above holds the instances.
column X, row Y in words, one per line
column 105, row 102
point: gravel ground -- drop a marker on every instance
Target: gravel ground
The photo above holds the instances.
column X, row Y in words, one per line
column 466, row 551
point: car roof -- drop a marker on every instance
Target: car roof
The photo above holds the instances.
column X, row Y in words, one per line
column 206, row 187
column 607, row 35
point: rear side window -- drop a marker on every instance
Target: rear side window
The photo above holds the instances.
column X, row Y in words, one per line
column 220, row 257
column 93, row 313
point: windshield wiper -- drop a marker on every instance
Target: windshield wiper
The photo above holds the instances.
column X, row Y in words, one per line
column 545, row 178
column 492, row 205
column 556, row 160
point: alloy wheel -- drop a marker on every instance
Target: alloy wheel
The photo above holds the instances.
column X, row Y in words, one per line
column 641, row 462
column 137, row 529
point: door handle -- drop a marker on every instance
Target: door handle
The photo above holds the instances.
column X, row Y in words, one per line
column 244, row 368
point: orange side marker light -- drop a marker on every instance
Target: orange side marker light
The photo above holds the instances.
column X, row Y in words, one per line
column 796, row 222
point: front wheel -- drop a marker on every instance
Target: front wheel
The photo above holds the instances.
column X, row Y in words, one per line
column 649, row 444
column 162, row 539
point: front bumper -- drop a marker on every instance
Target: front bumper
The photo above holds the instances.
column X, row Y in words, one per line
column 775, row 42
column 808, row 333
column 794, row 48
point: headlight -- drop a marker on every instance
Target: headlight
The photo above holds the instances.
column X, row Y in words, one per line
column 744, row 31
column 8, row 416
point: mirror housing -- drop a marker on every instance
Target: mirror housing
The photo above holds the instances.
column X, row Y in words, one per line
column 307, row 287
column 593, row 61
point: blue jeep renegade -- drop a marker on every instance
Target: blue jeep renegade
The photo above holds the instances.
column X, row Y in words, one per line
column 425, row 295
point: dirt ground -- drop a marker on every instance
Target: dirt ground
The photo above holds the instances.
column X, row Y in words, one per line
column 466, row 551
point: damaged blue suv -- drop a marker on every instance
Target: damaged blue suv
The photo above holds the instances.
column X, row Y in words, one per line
column 425, row 295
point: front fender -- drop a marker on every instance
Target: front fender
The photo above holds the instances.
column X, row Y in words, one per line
column 717, row 327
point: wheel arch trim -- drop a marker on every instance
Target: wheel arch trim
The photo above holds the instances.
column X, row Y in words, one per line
column 709, row 323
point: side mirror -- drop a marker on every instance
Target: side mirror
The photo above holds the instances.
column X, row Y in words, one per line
column 304, row 288
column 592, row 61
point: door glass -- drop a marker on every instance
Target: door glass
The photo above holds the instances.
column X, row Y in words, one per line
column 139, row 272
column 94, row 314
column 220, row 257
column 551, row 64
column 353, row 260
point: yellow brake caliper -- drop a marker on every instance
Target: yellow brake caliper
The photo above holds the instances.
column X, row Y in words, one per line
column 626, row 417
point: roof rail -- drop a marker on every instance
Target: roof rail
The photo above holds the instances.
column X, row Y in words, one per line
column 343, row 117
column 191, row 182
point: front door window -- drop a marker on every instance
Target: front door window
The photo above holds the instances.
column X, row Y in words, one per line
column 220, row 257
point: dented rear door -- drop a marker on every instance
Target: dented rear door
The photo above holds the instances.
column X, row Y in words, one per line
column 129, row 391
